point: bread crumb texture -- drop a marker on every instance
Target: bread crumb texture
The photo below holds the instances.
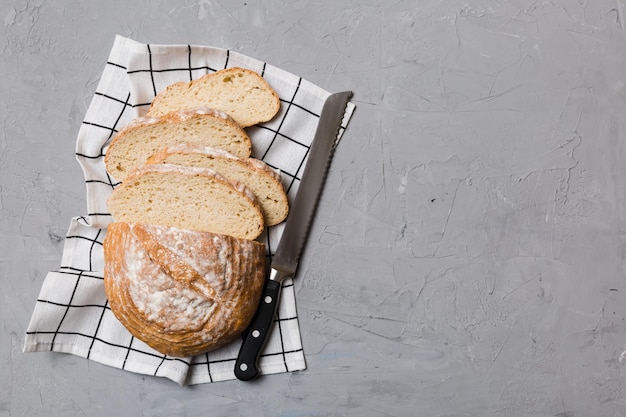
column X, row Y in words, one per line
column 186, row 197
column 257, row 176
column 241, row 93
column 144, row 137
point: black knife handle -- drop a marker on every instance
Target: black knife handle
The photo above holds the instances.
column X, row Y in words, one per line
column 256, row 334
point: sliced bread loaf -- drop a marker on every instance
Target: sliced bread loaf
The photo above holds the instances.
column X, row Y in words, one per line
column 145, row 136
column 260, row 178
column 241, row 93
column 189, row 198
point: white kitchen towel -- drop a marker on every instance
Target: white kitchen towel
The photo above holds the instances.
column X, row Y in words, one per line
column 71, row 314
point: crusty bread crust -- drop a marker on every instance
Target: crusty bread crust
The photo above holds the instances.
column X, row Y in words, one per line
column 259, row 177
column 181, row 292
column 240, row 92
column 143, row 137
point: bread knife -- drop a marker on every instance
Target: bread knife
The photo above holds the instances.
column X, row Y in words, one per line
column 285, row 259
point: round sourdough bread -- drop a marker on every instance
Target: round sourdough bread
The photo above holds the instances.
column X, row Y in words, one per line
column 182, row 292
column 241, row 93
column 259, row 177
column 188, row 198
column 144, row 136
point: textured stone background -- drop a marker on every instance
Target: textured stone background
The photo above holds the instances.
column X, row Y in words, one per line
column 468, row 257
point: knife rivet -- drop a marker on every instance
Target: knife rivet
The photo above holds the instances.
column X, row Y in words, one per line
column 243, row 367
column 256, row 333
column 267, row 299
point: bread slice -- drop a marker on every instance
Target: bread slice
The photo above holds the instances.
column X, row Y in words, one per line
column 188, row 198
column 260, row 178
column 144, row 136
column 182, row 292
column 241, row 93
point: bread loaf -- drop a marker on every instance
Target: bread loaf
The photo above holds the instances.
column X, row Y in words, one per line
column 241, row 93
column 143, row 137
column 187, row 198
column 182, row 292
column 183, row 272
column 261, row 179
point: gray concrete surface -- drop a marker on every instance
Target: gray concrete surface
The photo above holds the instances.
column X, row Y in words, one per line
column 468, row 257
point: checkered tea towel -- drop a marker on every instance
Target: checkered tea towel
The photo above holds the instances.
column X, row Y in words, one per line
column 71, row 314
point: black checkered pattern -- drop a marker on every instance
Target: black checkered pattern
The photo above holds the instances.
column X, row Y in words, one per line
column 71, row 314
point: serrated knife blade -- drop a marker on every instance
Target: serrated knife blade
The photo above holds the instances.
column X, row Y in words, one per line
column 285, row 260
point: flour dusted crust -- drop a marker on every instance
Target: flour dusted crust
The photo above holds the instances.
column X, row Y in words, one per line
column 241, row 93
column 144, row 136
column 181, row 292
column 257, row 176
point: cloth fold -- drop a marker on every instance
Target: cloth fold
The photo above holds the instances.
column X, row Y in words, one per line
column 71, row 314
